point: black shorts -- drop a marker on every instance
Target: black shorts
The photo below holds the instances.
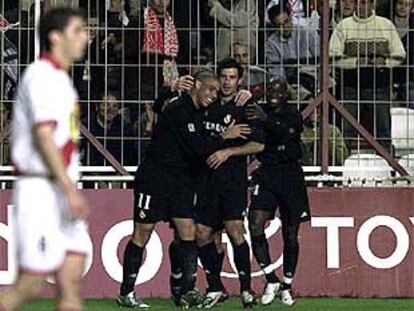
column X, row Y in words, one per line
column 162, row 193
column 284, row 187
column 222, row 197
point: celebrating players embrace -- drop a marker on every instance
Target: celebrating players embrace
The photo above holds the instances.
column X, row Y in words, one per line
column 194, row 175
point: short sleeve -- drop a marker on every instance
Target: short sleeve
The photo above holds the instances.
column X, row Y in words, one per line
column 44, row 100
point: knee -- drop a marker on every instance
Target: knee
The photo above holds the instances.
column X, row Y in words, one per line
column 186, row 230
column 29, row 290
column 203, row 235
column 141, row 234
column 256, row 225
column 218, row 242
column 235, row 230
column 290, row 237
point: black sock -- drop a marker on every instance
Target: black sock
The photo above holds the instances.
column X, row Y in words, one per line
column 285, row 286
column 189, row 265
column 219, row 265
column 242, row 261
column 261, row 253
column 176, row 264
column 132, row 262
column 290, row 254
column 211, row 261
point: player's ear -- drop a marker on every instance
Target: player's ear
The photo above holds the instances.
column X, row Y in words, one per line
column 54, row 37
column 197, row 84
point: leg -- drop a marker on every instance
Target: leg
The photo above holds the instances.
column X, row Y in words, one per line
column 133, row 259
column 210, row 257
column 290, row 253
column 235, row 230
column 69, row 279
column 262, row 209
column 260, row 246
column 176, row 268
column 27, row 287
column 186, row 232
column 290, row 261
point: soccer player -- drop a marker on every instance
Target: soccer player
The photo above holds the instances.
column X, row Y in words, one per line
column 165, row 184
column 223, row 201
column 52, row 238
column 278, row 182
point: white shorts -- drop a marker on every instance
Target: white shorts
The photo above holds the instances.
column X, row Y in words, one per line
column 45, row 231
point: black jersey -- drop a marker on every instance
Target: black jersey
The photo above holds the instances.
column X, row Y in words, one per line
column 178, row 139
column 282, row 130
column 217, row 119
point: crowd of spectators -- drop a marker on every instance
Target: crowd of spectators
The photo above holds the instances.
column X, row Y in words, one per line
column 137, row 48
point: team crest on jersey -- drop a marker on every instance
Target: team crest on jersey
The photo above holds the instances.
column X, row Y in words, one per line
column 191, row 127
column 227, row 119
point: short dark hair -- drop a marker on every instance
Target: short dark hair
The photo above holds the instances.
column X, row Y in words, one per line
column 277, row 9
column 204, row 74
column 228, row 63
column 56, row 20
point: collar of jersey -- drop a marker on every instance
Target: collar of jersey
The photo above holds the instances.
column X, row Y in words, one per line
column 48, row 57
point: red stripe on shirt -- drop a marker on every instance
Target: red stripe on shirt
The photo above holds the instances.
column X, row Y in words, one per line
column 67, row 151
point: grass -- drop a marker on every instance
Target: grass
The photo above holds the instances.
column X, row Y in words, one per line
column 303, row 304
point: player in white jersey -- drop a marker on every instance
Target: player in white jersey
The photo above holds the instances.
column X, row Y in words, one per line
column 51, row 235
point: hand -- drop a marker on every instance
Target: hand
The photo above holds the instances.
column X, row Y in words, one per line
column 77, row 203
column 236, row 131
column 183, row 84
column 212, row 3
column 242, row 97
column 218, row 158
column 255, row 112
column 377, row 61
column 150, row 112
column 363, row 61
column 110, row 40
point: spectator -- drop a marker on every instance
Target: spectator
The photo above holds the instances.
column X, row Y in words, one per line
column 9, row 55
column 302, row 12
column 343, row 9
column 365, row 47
column 338, row 151
column 292, row 52
column 254, row 78
column 116, row 20
column 404, row 76
column 110, row 128
column 91, row 68
column 151, row 52
column 68, row 3
column 4, row 145
column 236, row 20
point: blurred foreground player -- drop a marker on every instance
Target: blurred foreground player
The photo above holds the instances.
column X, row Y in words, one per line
column 165, row 185
column 278, row 182
column 52, row 238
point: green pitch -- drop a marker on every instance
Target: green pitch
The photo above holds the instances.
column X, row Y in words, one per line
column 303, row 304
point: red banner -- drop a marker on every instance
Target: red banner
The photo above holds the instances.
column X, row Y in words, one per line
column 359, row 243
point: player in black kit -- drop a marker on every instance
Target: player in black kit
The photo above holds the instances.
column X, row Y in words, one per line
column 222, row 202
column 164, row 185
column 278, row 182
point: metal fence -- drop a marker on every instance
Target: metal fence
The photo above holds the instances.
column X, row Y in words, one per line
column 328, row 51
